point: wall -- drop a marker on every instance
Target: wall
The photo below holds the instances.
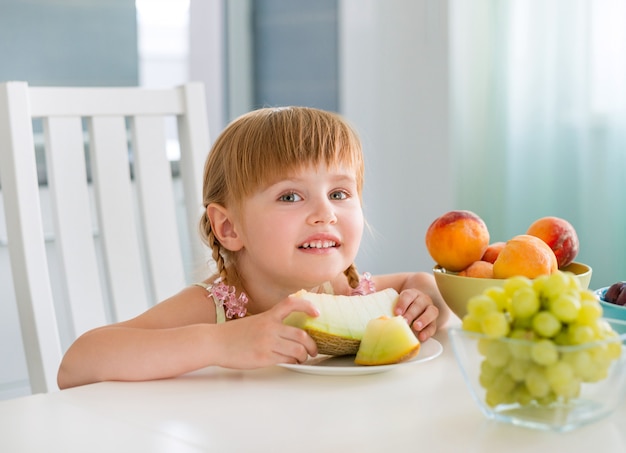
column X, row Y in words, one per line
column 65, row 42
column 394, row 88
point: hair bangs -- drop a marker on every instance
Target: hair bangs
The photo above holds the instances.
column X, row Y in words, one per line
column 280, row 142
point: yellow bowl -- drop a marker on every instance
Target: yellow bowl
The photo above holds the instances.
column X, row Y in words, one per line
column 457, row 290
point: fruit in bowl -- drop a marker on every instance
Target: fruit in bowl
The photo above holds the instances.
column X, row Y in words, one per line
column 613, row 301
column 559, row 235
column 538, row 353
column 524, row 255
column 457, row 237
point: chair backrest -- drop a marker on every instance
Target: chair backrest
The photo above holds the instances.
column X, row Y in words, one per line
column 117, row 234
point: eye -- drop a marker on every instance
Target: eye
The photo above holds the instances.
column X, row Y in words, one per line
column 290, row 197
column 339, row 195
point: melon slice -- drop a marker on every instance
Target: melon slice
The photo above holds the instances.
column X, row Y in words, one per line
column 387, row 340
column 339, row 328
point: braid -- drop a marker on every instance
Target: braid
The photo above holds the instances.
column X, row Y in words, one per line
column 353, row 276
column 210, row 240
column 217, row 256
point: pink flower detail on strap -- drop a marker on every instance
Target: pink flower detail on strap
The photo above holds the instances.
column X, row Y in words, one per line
column 365, row 286
column 235, row 307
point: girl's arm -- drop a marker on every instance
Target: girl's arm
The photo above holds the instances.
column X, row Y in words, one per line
column 180, row 335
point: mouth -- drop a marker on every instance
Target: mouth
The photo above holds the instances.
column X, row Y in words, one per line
column 318, row 245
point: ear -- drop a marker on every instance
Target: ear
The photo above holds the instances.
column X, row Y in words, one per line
column 223, row 226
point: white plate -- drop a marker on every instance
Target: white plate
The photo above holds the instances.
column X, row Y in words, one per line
column 345, row 366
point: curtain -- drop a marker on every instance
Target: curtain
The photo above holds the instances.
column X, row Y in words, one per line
column 538, row 102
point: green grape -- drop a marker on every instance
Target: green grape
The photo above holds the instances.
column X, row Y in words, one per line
column 590, row 311
column 565, row 307
column 493, row 398
column 537, row 383
column 586, row 294
column 471, row 323
column 524, row 303
column 518, row 368
column 499, row 296
column 488, row 373
column 554, row 284
column 562, row 338
column 495, row 325
column 544, row 352
column 511, row 285
column 567, row 390
column 479, row 306
column 548, row 399
column 580, row 334
column 546, row 324
column 521, row 349
column 522, row 396
column 483, row 345
column 563, row 380
column 574, row 282
column 559, row 374
column 580, row 361
column 503, row 384
column 497, row 353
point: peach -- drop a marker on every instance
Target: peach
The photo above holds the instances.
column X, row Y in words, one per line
column 492, row 252
column 478, row 269
column 525, row 255
column 457, row 239
column 560, row 236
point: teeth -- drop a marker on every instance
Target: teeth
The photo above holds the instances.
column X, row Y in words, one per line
column 318, row 245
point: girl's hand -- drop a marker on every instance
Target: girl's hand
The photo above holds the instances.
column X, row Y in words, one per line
column 420, row 312
column 262, row 340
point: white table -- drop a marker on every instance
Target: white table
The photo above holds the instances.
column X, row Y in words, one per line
column 421, row 407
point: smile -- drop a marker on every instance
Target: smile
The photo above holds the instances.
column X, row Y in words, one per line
column 318, row 245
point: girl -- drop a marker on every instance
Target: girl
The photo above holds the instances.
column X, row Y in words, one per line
column 282, row 192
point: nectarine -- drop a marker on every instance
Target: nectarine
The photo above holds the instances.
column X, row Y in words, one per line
column 478, row 269
column 525, row 255
column 560, row 236
column 456, row 239
column 492, row 252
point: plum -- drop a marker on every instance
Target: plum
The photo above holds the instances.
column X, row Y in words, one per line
column 616, row 294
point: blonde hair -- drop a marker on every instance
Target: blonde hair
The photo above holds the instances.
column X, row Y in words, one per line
column 260, row 148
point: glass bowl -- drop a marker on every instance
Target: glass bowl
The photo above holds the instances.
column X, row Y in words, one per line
column 585, row 384
column 456, row 290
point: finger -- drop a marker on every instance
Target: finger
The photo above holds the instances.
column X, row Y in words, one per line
column 294, row 304
column 428, row 317
column 427, row 332
column 300, row 337
column 296, row 344
column 406, row 299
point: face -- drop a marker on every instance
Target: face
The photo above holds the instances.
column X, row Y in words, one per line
column 303, row 230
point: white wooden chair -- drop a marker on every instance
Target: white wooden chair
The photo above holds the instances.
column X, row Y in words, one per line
column 132, row 256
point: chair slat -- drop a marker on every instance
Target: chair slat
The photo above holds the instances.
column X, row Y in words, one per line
column 67, row 176
column 109, row 155
column 18, row 174
column 59, row 101
column 156, row 204
column 193, row 134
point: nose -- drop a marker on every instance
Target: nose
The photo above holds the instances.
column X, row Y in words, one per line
column 323, row 212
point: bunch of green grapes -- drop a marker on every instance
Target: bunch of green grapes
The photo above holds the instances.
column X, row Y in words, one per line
column 544, row 322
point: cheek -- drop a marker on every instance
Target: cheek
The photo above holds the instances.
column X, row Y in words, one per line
column 356, row 223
